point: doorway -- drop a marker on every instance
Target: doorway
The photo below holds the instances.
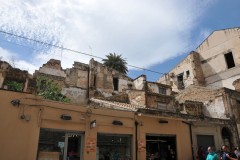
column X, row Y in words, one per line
column 161, row 147
column 60, row 145
column 205, row 141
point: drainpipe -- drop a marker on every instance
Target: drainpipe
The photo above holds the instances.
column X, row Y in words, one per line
column 136, row 142
column 190, row 131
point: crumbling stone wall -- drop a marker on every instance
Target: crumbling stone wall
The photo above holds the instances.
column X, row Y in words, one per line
column 236, row 84
column 101, row 80
column 159, row 101
column 73, row 81
column 77, row 76
column 190, row 70
column 198, row 77
column 154, row 87
column 215, row 101
column 137, row 97
column 10, row 74
column 140, row 82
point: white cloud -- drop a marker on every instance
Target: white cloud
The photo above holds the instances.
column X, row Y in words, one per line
column 144, row 32
column 6, row 55
column 14, row 61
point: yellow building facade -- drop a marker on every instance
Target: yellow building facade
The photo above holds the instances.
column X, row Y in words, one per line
column 33, row 128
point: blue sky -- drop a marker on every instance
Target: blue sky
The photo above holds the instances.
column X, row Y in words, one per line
column 151, row 34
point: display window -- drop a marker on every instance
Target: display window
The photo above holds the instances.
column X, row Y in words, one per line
column 114, row 147
column 59, row 145
column 160, row 147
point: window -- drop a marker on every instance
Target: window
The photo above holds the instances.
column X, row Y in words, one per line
column 162, row 90
column 180, row 81
column 229, row 60
column 161, row 147
column 55, row 144
column 114, row 147
column 188, row 73
column 115, row 84
column 94, row 80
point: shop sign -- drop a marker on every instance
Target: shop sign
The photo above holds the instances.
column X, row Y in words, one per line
column 91, row 145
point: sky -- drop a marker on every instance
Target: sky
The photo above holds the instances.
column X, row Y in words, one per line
column 150, row 34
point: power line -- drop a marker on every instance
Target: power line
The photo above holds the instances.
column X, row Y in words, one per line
column 71, row 50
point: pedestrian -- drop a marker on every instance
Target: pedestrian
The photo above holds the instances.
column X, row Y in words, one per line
column 201, row 154
column 211, row 154
column 226, row 152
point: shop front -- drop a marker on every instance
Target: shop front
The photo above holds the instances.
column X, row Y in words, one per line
column 160, row 147
column 60, row 145
column 59, row 131
column 114, row 147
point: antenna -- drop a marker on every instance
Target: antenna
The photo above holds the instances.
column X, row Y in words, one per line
column 90, row 50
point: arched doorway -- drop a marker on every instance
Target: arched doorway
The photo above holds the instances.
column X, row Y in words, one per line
column 227, row 136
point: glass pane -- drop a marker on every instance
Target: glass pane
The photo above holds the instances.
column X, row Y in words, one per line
column 74, row 147
column 51, row 145
column 114, row 147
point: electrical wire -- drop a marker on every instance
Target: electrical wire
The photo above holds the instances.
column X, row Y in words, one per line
column 72, row 50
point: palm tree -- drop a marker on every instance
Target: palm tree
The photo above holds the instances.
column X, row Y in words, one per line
column 116, row 62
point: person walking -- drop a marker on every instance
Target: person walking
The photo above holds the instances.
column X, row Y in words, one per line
column 211, row 154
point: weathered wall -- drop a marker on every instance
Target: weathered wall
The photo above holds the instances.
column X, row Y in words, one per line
column 76, row 95
column 154, row 87
column 77, row 76
column 1, row 80
column 21, row 136
column 137, row 97
column 212, row 52
column 139, row 82
column 159, row 101
column 190, row 64
column 215, row 108
column 52, row 67
column 206, row 129
column 173, row 127
column 214, row 101
column 236, row 84
column 101, row 80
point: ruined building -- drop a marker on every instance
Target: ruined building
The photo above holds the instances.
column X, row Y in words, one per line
column 215, row 63
column 209, row 77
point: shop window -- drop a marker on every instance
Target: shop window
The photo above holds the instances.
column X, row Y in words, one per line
column 115, row 84
column 180, row 81
column 229, row 60
column 161, row 147
column 162, row 90
column 54, row 144
column 114, row 147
